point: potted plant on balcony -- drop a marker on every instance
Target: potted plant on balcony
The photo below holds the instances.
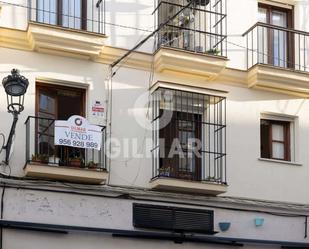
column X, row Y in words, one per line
column 39, row 158
column 76, row 161
column 165, row 171
column 35, row 158
column 213, row 51
column 92, row 165
column 186, row 175
column 44, row 158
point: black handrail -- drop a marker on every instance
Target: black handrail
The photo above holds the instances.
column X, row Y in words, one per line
column 271, row 26
column 95, row 158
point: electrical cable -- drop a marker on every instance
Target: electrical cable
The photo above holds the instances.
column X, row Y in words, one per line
column 147, row 30
column 152, row 76
column 80, row 18
column 130, row 196
column 2, row 214
column 3, row 143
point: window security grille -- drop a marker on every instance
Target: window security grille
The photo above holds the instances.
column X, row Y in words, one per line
column 199, row 28
column 189, row 136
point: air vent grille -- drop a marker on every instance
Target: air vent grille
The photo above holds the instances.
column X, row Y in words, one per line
column 172, row 218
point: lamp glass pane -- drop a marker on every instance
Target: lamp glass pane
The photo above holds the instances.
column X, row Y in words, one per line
column 15, row 90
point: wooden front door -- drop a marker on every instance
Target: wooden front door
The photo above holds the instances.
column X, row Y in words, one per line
column 179, row 158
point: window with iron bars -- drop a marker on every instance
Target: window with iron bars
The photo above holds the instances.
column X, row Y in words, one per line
column 86, row 15
column 200, row 28
column 189, row 135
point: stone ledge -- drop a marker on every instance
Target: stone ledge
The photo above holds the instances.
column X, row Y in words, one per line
column 66, row 174
column 185, row 186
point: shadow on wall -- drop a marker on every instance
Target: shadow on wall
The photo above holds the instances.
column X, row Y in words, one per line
column 128, row 13
column 282, row 102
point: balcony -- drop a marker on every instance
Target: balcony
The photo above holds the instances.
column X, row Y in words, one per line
column 198, row 30
column 189, row 150
column 46, row 160
column 277, row 58
column 58, row 27
column 82, row 15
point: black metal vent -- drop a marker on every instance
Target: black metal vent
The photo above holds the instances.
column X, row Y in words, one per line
column 173, row 218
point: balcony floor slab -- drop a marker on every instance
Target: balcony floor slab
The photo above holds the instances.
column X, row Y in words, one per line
column 69, row 174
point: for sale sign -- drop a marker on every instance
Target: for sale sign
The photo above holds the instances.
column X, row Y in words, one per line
column 77, row 132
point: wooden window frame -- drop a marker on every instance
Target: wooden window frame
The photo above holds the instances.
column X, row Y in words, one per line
column 47, row 87
column 290, row 36
column 286, row 142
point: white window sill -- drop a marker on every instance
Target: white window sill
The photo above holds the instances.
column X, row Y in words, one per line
column 280, row 161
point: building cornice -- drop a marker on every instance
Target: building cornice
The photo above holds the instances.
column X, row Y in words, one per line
column 147, row 195
column 166, row 62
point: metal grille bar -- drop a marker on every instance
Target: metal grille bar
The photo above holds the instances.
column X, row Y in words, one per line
column 199, row 28
column 189, row 135
column 87, row 15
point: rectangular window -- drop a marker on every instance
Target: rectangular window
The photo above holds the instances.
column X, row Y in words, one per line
column 275, row 139
column 66, row 13
column 188, row 135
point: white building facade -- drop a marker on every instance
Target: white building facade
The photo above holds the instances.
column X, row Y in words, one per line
column 204, row 126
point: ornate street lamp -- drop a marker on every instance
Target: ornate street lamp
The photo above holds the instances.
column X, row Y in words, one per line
column 15, row 86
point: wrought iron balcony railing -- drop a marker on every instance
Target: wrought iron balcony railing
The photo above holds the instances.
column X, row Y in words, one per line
column 87, row 15
column 199, row 28
column 189, row 136
column 40, row 148
column 277, row 46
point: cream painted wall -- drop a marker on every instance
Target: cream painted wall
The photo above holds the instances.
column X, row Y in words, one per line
column 129, row 21
column 116, row 213
column 61, row 70
column 247, row 176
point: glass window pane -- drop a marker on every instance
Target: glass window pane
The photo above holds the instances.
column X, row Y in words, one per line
column 262, row 15
column 277, row 132
column 72, row 13
column 47, row 11
column 279, row 18
column 278, row 150
column 47, row 104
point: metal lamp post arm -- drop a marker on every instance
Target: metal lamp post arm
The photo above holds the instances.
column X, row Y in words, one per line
column 8, row 145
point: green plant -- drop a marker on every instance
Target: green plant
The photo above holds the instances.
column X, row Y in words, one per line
column 92, row 165
column 42, row 158
column 211, row 178
column 213, row 51
column 35, row 158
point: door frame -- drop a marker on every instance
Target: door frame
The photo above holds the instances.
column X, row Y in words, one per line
column 52, row 88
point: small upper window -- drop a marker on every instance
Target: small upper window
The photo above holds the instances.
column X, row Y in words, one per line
column 66, row 13
column 275, row 139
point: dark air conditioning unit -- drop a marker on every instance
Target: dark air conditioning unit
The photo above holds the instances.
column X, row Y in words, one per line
column 173, row 218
